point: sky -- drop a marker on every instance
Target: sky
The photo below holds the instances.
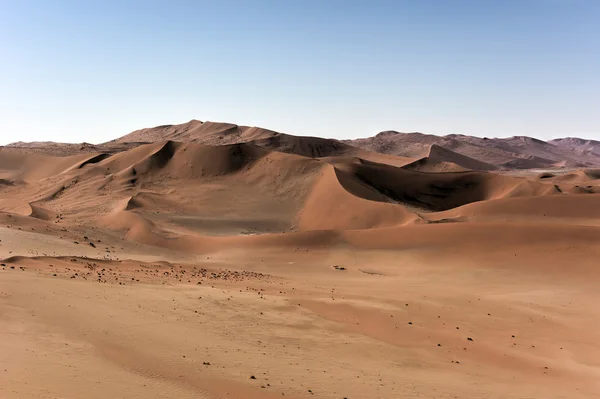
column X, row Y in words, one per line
column 76, row 71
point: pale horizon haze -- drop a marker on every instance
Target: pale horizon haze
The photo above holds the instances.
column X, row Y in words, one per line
column 91, row 71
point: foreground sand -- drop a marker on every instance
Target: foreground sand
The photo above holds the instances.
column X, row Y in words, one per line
column 390, row 324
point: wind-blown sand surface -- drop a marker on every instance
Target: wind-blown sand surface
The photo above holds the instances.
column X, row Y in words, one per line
column 181, row 269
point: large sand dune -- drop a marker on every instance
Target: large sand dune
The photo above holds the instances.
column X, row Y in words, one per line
column 210, row 260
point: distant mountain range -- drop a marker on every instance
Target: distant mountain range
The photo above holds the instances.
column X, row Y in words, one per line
column 424, row 151
column 518, row 152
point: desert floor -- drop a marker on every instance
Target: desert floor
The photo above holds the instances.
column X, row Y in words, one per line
column 307, row 322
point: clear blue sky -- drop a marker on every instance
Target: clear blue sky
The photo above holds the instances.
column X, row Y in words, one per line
column 95, row 70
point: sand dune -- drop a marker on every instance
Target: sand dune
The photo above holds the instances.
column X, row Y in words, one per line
column 32, row 167
column 441, row 154
column 211, row 260
column 217, row 133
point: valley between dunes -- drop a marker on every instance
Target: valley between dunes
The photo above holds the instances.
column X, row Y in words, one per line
column 215, row 261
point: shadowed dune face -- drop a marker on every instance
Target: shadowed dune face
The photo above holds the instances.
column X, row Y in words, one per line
column 435, row 191
column 210, row 260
